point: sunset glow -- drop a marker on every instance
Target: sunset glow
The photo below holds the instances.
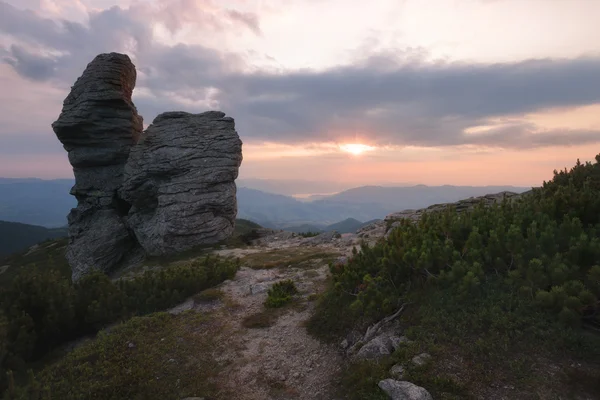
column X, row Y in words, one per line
column 396, row 93
column 356, row 148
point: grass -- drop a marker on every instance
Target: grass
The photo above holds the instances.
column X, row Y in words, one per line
column 155, row 357
column 209, row 295
column 481, row 346
column 260, row 320
column 281, row 258
column 49, row 254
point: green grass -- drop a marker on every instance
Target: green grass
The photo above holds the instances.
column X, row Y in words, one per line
column 493, row 338
column 49, row 254
column 158, row 357
column 209, row 295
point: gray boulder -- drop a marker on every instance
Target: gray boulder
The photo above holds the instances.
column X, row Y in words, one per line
column 156, row 192
column 98, row 126
column 180, row 181
column 380, row 346
column 403, row 390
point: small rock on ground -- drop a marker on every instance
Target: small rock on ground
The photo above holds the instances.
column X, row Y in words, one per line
column 397, row 371
column 421, row 359
column 403, row 390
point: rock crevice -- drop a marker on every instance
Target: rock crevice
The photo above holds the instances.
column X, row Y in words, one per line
column 159, row 191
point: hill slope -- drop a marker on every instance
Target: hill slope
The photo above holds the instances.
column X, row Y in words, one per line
column 15, row 236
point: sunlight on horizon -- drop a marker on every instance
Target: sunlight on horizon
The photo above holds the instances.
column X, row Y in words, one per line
column 356, row 148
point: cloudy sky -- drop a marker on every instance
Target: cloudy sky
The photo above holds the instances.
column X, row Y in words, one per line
column 435, row 92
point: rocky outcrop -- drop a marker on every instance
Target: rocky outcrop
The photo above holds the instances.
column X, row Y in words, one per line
column 383, row 228
column 156, row 192
column 179, row 180
column 98, row 126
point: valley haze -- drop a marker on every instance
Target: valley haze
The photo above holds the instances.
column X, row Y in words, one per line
column 47, row 202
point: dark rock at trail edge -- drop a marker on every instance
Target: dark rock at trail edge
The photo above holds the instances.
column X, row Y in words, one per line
column 157, row 192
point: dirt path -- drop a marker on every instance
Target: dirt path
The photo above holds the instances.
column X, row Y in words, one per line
column 281, row 360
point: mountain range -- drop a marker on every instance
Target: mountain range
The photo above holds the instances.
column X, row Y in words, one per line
column 47, row 202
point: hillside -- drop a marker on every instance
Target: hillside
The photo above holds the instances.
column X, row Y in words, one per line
column 492, row 298
column 411, row 197
column 15, row 236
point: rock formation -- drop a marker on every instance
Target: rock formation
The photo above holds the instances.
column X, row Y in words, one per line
column 383, row 228
column 179, row 180
column 161, row 191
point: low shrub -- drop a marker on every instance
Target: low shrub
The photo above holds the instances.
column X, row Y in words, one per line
column 281, row 294
column 41, row 308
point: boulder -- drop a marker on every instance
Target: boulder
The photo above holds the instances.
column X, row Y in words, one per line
column 403, row 390
column 156, row 192
column 98, row 126
column 180, row 181
column 380, row 346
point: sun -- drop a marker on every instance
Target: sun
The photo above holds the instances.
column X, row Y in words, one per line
column 356, row 148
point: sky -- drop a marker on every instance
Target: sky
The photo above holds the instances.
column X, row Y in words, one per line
column 461, row 92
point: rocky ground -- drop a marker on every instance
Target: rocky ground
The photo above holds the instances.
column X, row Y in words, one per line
column 271, row 355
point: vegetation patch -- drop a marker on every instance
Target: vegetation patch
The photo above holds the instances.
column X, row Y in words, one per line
column 309, row 234
column 501, row 294
column 280, row 294
column 155, row 357
column 281, row 258
column 263, row 319
column 41, row 309
column 209, row 295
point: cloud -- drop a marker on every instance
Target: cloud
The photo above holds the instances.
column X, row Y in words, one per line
column 246, row 18
column 397, row 98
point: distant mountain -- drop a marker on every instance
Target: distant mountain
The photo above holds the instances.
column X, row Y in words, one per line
column 349, row 225
column 36, row 201
column 305, row 228
column 278, row 211
column 291, row 187
column 47, row 202
column 15, row 236
column 418, row 196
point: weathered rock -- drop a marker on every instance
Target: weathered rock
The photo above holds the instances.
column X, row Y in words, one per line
column 159, row 192
column 325, row 237
column 380, row 346
column 403, row 390
column 97, row 127
column 421, row 359
column 397, row 371
column 460, row 206
column 180, row 181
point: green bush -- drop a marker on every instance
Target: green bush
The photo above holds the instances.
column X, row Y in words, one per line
column 280, row 294
column 309, row 234
column 546, row 247
column 42, row 308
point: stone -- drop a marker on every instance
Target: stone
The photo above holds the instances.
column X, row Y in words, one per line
column 397, row 371
column 322, row 238
column 403, row 390
column 258, row 288
column 98, row 126
column 157, row 192
column 180, row 182
column 421, row 359
column 378, row 347
column 398, row 341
